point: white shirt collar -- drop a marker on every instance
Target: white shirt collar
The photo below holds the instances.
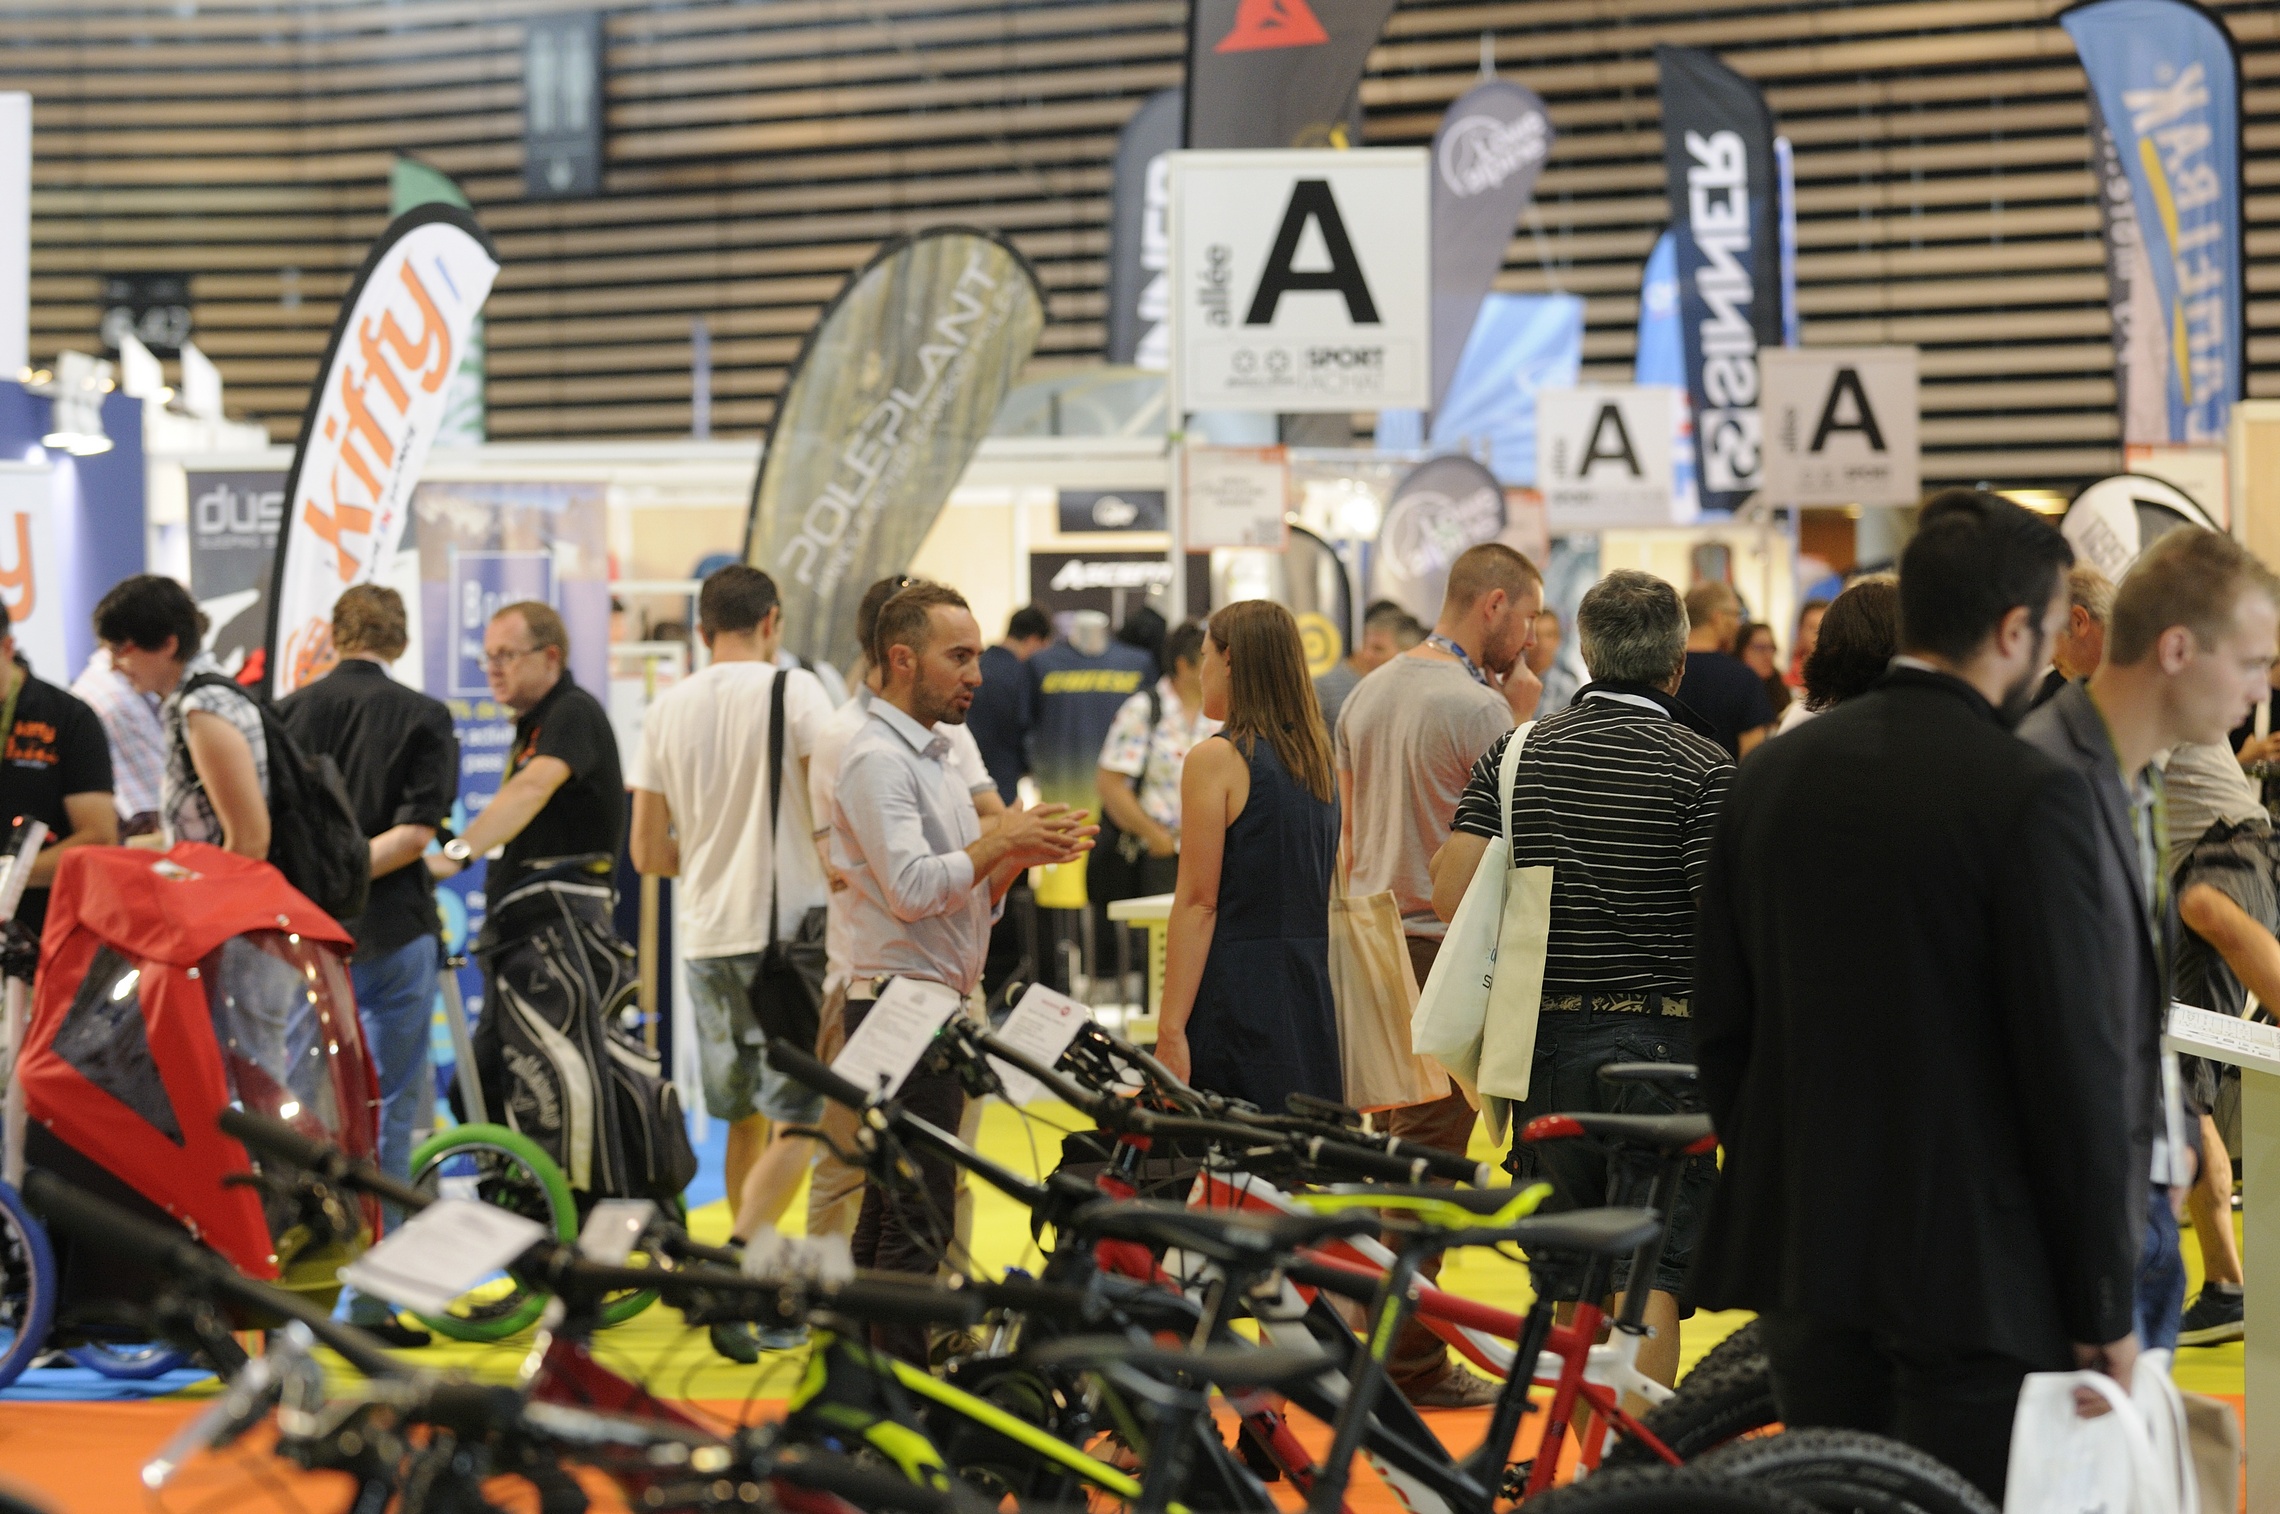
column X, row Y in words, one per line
column 925, row 742
column 1641, row 700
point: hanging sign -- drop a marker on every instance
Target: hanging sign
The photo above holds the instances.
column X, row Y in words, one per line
column 1301, row 280
column 1236, row 496
column 1604, row 455
column 1840, row 425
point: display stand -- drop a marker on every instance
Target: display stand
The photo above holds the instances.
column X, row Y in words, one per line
column 1153, row 913
column 2255, row 1050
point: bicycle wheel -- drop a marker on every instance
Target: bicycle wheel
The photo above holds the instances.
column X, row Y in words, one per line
column 1710, row 1408
column 1849, row 1472
column 494, row 1165
column 28, row 1287
column 617, row 1308
column 1743, row 1344
column 138, row 1362
column 1666, row 1490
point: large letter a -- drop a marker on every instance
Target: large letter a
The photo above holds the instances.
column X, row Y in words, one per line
column 1310, row 199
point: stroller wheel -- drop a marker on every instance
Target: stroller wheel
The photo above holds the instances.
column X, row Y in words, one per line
column 135, row 1363
column 495, row 1165
column 28, row 1287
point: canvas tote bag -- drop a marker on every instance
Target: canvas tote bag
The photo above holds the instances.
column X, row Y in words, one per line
column 1452, row 1010
column 1375, row 989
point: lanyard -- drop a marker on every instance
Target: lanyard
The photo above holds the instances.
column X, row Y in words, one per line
column 8, row 711
column 1442, row 643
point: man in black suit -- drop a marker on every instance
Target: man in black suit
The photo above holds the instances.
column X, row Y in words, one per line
column 2191, row 635
column 1926, row 1189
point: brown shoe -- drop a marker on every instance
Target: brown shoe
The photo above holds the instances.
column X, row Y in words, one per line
column 1459, row 1388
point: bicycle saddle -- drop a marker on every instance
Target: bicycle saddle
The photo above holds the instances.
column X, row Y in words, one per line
column 1663, row 1134
column 1672, row 1075
column 1245, row 1237
column 1587, row 1232
column 1227, row 1366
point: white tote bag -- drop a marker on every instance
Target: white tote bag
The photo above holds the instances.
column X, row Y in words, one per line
column 2135, row 1459
column 1452, row 1009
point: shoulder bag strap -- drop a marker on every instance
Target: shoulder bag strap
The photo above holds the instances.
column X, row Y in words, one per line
column 1508, row 774
column 775, row 788
column 1148, row 744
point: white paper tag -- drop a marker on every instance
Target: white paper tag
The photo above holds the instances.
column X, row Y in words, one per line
column 894, row 1035
column 440, row 1253
column 799, row 1258
column 1042, row 1025
column 612, row 1228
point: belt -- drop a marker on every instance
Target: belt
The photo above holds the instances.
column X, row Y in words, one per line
column 1652, row 1002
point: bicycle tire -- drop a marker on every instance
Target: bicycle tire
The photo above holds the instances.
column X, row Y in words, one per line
column 29, row 1287
column 1666, row 1490
column 1710, row 1409
column 1743, row 1344
column 540, row 1193
column 136, row 1363
column 1851, row 1471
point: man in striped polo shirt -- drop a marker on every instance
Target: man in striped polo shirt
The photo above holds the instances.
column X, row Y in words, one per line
column 1618, row 794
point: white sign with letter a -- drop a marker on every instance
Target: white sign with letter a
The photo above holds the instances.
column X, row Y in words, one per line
column 1301, row 279
column 1839, row 425
column 1603, row 455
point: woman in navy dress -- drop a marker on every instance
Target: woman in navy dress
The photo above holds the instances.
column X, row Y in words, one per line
column 1246, row 1006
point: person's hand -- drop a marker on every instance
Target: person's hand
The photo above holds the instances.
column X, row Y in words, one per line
column 2260, row 749
column 1047, row 833
column 1521, row 689
column 440, row 867
column 1172, row 1050
column 1161, row 842
column 2117, row 1359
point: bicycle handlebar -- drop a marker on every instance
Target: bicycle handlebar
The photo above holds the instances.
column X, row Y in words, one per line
column 274, row 1138
column 805, row 1067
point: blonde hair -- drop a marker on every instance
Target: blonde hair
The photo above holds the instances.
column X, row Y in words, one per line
column 1269, row 693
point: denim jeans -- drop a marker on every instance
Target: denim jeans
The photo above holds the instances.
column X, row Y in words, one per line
column 395, row 998
column 2160, row 1277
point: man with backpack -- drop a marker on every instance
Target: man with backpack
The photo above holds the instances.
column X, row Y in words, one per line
column 399, row 759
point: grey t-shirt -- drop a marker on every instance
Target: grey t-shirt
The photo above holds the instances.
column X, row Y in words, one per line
column 2205, row 784
column 1331, row 689
column 1408, row 737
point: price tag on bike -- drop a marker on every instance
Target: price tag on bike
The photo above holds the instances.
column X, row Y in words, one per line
column 894, row 1035
column 1042, row 1025
column 612, row 1228
column 440, row 1253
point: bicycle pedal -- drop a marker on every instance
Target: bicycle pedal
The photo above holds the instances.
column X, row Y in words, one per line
column 1516, row 1477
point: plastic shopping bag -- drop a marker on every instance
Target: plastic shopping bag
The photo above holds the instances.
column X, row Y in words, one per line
column 1453, row 1006
column 2135, row 1459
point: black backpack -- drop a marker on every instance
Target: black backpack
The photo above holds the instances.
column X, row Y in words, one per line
column 314, row 837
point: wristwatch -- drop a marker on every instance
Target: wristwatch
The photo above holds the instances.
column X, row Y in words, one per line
column 457, row 851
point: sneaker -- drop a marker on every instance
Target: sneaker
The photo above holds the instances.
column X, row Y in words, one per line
column 1461, row 1388
column 737, row 1341
column 2214, row 1318
column 783, row 1338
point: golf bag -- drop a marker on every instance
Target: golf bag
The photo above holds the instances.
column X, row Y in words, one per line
column 556, row 1058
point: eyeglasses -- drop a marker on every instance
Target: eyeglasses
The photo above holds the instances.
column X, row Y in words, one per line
column 494, row 661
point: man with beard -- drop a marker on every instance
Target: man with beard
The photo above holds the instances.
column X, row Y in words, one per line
column 922, row 886
column 1928, row 1184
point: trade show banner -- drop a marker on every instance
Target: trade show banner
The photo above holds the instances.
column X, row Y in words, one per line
column 1486, row 155
column 1661, row 359
column 412, row 184
column 1318, row 592
column 894, row 389
column 234, row 515
column 1255, row 330
column 2166, row 133
column 1140, row 234
column 2116, row 518
column 1445, row 505
column 1520, row 343
column 31, row 576
column 1718, row 161
column 379, row 402
column 1276, row 73
column 1840, row 426
column 1606, row 455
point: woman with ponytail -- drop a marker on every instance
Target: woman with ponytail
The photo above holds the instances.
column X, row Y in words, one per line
column 1246, row 1006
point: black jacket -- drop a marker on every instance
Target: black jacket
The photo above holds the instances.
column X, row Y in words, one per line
column 2134, row 972
column 1897, row 968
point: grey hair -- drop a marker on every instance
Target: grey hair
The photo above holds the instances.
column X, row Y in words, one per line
column 1633, row 628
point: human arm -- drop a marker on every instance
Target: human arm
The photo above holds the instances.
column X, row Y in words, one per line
column 2247, row 947
column 399, row 846
column 1214, row 781
column 223, row 761
column 432, row 785
column 656, row 854
column 1522, row 691
column 515, row 805
column 878, row 805
column 94, row 822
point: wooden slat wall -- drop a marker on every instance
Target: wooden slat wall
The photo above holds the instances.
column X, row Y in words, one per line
column 759, row 149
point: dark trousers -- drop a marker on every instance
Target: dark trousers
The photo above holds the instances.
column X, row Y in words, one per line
column 1955, row 1405
column 901, row 1231
column 1420, row 1358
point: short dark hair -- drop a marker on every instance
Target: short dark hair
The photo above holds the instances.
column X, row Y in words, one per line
column 1029, row 624
column 2187, row 577
column 907, row 620
column 735, row 599
column 867, row 612
column 1183, row 643
column 1396, row 622
column 370, row 618
column 1860, row 633
column 144, row 610
column 1974, row 559
column 1632, row 627
column 1489, row 565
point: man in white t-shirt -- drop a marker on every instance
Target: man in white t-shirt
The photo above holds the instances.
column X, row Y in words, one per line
column 835, row 1190
column 702, row 813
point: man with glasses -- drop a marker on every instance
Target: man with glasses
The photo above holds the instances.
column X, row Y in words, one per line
column 563, row 798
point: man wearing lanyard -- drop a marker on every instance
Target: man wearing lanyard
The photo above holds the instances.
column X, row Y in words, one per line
column 1407, row 739
column 923, row 885
column 2194, row 626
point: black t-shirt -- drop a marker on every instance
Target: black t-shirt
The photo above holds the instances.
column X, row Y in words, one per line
column 399, row 757
column 56, row 748
column 586, row 816
column 1724, row 692
column 1000, row 718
